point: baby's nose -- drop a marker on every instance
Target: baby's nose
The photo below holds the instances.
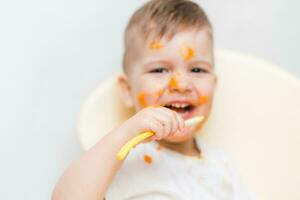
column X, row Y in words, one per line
column 179, row 83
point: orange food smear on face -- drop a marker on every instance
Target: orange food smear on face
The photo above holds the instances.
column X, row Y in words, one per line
column 148, row 159
column 156, row 45
column 203, row 99
column 159, row 93
column 173, row 84
column 187, row 53
column 142, row 100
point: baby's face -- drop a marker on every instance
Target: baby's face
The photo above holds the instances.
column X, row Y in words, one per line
column 177, row 74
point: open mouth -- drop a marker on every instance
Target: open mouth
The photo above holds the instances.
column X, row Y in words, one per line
column 181, row 108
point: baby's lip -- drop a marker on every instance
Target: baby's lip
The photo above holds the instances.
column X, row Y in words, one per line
column 180, row 102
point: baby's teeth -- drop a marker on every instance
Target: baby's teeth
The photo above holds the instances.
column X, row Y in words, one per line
column 178, row 105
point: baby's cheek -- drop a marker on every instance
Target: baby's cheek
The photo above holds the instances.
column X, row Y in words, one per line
column 142, row 100
column 148, row 99
column 205, row 90
column 203, row 99
column 150, row 90
column 205, row 96
column 159, row 93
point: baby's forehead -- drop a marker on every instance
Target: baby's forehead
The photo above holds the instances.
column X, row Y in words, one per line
column 155, row 42
column 179, row 44
column 196, row 42
column 185, row 44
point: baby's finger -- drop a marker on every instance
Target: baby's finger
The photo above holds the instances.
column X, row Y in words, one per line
column 156, row 127
column 172, row 115
column 175, row 124
column 164, row 121
column 180, row 121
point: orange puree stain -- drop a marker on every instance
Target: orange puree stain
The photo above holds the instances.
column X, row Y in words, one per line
column 148, row 159
column 156, row 45
column 159, row 93
column 173, row 84
column 203, row 99
column 142, row 99
column 187, row 53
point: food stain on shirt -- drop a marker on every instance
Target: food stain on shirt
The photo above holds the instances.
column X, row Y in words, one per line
column 148, row 159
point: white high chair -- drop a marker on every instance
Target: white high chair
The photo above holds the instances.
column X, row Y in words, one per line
column 255, row 119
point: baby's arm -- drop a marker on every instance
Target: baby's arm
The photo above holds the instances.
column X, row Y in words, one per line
column 90, row 176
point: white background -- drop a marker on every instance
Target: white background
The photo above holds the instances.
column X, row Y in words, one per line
column 53, row 53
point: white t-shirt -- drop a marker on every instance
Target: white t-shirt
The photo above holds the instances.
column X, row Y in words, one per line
column 149, row 173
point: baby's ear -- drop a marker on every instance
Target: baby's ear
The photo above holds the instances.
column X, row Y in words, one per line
column 124, row 90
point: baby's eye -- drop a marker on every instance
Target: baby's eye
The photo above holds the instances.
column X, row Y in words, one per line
column 198, row 70
column 159, row 70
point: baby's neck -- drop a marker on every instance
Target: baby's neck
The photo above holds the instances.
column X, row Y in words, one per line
column 188, row 147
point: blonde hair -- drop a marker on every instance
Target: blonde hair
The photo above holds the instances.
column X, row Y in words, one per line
column 162, row 18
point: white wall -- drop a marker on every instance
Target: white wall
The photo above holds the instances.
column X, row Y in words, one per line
column 52, row 53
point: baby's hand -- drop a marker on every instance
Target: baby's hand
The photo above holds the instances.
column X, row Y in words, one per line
column 160, row 120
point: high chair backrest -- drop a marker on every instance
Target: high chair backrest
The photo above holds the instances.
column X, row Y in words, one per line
column 255, row 119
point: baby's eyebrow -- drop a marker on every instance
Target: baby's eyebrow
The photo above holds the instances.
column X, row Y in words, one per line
column 202, row 62
column 165, row 63
column 157, row 62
